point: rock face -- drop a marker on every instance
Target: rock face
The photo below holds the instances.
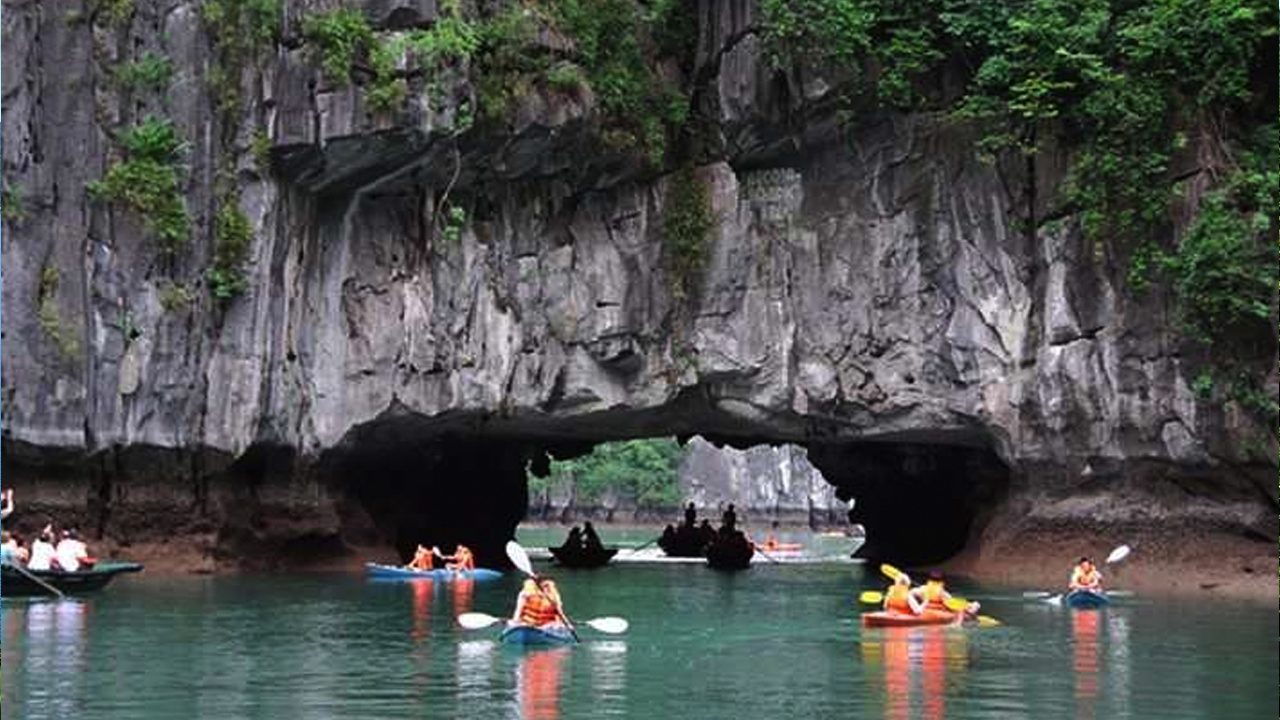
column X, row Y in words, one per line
column 870, row 291
column 766, row 484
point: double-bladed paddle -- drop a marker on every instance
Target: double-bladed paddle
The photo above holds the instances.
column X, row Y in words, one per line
column 478, row 620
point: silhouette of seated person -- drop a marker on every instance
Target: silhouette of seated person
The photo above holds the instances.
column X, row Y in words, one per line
column 690, row 515
column 668, row 536
column 573, row 543
column 590, row 540
column 706, row 533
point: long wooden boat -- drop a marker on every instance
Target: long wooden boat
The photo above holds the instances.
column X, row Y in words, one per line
column 17, row 582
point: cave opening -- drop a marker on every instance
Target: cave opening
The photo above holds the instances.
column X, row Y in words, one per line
column 920, row 501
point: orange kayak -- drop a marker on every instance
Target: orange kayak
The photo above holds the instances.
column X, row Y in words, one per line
column 893, row 619
column 780, row 547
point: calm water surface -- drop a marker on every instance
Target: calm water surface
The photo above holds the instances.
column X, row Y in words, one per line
column 771, row 642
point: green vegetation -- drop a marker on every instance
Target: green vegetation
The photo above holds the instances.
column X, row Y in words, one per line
column 12, row 207
column 1130, row 89
column 49, row 317
column 644, row 469
column 233, row 235
column 150, row 72
column 336, row 36
column 114, row 12
column 174, row 297
column 241, row 30
column 260, row 149
column 686, row 222
column 147, row 181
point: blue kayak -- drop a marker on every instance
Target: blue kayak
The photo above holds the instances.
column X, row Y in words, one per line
column 392, row 572
column 1086, row 599
column 533, row 636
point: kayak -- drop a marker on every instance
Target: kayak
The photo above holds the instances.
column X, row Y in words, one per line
column 1086, row 599
column 529, row 635
column 893, row 619
column 392, row 572
column 781, row 548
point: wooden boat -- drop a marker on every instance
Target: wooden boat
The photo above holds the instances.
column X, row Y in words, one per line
column 17, row 582
column 730, row 554
column 392, row 572
column 686, row 542
column 582, row 557
column 528, row 635
column 883, row 618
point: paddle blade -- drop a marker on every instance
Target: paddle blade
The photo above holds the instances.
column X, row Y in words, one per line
column 871, row 597
column 476, row 620
column 987, row 621
column 1118, row 554
column 1054, row 599
column 519, row 557
column 1036, row 594
column 956, row 604
column 610, row 625
column 890, row 571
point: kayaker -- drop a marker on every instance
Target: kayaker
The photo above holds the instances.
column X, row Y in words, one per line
column 590, row 540
column 898, row 598
column 1085, row 576
column 423, row 559
column 43, row 553
column 71, row 552
column 461, row 559
column 771, row 540
column 933, row 595
column 535, row 606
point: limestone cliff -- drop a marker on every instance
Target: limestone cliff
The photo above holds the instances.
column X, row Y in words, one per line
column 872, row 289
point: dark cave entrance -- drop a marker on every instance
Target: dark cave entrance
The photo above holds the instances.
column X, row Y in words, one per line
column 920, row 502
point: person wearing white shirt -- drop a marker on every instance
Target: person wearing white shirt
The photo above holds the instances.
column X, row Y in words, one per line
column 42, row 551
column 71, row 552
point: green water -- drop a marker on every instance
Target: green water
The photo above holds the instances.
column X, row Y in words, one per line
column 771, row 642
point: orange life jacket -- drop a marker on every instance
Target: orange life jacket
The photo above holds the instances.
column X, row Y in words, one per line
column 895, row 600
column 1082, row 578
column 538, row 609
column 465, row 561
column 933, row 593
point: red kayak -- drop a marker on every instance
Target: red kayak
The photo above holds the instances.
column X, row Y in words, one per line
column 894, row 619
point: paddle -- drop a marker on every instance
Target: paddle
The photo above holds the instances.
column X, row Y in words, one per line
column 478, row 620
column 36, row 580
column 769, row 557
column 645, row 545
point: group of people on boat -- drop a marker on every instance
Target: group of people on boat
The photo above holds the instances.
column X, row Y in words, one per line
column 690, row 535
column 424, row 559
column 63, row 551
column 49, row 550
column 583, row 540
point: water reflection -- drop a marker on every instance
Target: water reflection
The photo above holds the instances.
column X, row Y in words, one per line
column 475, row 671
column 463, row 591
column 422, row 595
column 609, row 676
column 1084, row 660
column 55, row 635
column 917, row 665
column 538, row 681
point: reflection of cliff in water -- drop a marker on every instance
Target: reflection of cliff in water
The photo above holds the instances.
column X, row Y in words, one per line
column 765, row 482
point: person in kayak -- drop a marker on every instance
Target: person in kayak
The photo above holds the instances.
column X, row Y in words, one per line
column 539, row 604
column 1085, row 576
column 461, row 559
column 899, row 599
column 423, row 559
column 933, row 595
column 771, row 540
